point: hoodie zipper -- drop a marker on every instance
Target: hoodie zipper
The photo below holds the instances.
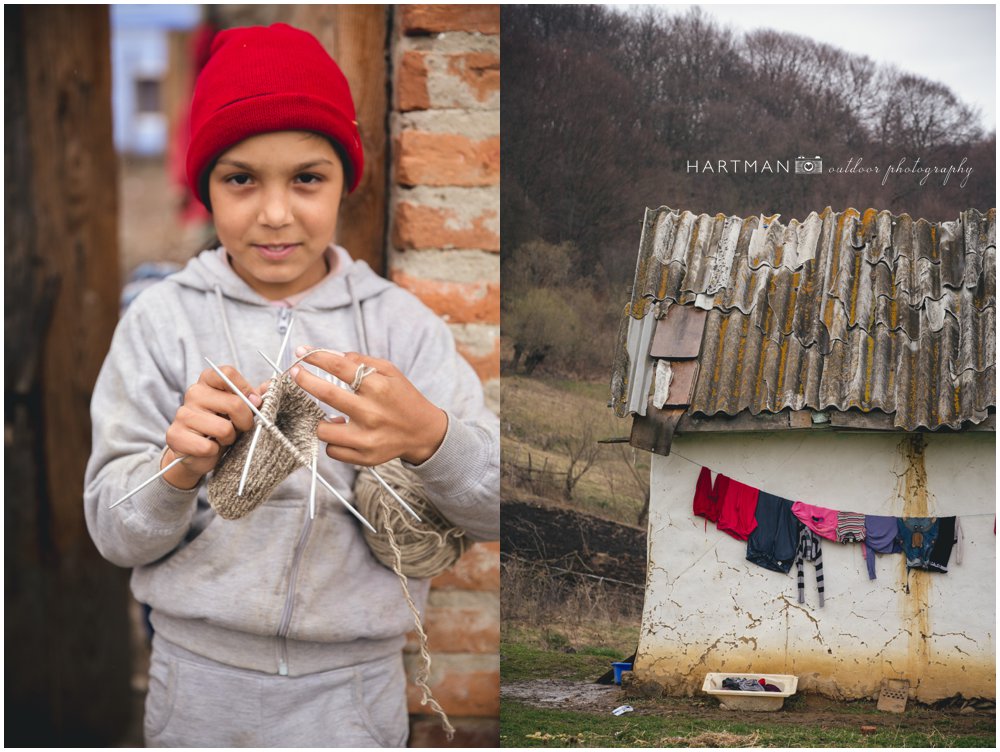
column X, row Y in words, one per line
column 286, row 613
column 285, row 321
column 284, row 318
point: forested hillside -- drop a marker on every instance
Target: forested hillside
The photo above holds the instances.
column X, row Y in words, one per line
column 604, row 114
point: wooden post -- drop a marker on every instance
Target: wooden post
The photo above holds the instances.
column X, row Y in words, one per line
column 66, row 627
column 355, row 35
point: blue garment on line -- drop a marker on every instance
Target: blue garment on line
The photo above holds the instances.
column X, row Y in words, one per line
column 773, row 542
column 882, row 537
column 917, row 536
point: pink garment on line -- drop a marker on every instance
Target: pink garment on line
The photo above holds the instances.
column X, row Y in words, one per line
column 737, row 508
column 820, row 520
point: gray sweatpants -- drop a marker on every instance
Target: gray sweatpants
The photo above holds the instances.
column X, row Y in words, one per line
column 196, row 702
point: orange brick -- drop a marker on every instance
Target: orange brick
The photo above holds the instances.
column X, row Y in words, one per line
column 418, row 226
column 486, row 366
column 479, row 71
column 411, row 82
column 461, row 693
column 478, row 569
column 456, row 302
column 446, row 159
column 452, row 629
column 431, row 19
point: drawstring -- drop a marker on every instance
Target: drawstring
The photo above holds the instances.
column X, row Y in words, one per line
column 359, row 321
column 225, row 326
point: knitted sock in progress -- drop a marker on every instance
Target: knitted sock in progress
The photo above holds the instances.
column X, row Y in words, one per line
column 295, row 415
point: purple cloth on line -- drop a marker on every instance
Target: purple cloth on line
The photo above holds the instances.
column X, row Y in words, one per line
column 880, row 537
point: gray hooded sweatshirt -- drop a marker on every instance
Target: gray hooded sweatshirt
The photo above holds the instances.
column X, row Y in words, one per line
column 274, row 591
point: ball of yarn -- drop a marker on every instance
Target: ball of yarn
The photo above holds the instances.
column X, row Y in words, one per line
column 426, row 548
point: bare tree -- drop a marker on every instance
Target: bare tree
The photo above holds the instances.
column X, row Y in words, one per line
column 922, row 115
column 581, row 448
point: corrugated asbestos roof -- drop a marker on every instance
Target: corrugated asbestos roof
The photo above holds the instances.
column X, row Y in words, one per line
column 838, row 311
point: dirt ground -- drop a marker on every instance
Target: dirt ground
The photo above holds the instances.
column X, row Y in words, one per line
column 576, row 541
column 805, row 709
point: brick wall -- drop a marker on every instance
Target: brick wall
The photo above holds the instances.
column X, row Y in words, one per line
column 444, row 242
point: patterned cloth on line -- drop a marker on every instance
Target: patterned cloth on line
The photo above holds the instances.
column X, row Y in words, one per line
column 809, row 550
column 850, row 527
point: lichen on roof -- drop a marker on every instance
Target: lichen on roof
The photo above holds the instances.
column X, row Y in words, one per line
column 841, row 310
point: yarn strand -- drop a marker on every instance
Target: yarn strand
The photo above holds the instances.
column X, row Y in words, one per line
column 424, row 672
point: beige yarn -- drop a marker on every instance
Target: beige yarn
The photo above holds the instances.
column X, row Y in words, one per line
column 410, row 548
column 295, row 416
column 427, row 547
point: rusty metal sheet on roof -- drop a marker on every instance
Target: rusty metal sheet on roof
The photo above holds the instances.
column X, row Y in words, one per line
column 841, row 310
column 678, row 333
column 682, row 385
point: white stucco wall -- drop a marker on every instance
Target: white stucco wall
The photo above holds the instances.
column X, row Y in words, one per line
column 708, row 609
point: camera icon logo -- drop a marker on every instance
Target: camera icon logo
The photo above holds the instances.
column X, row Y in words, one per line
column 805, row 166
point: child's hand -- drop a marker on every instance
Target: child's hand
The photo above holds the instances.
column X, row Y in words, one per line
column 212, row 417
column 389, row 417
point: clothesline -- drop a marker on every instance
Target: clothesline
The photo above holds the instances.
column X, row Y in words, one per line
column 698, row 464
column 779, row 532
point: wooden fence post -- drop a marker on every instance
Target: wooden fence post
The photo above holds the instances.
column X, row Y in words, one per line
column 66, row 626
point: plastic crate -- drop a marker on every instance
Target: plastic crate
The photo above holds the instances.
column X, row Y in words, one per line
column 620, row 667
column 730, row 699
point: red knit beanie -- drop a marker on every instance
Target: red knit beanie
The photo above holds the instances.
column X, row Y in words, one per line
column 263, row 79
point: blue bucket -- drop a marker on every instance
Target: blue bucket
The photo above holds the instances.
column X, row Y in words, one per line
column 620, row 667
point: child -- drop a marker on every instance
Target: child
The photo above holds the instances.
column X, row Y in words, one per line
column 275, row 628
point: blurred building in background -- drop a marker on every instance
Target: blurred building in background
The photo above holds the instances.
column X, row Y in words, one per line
column 142, row 40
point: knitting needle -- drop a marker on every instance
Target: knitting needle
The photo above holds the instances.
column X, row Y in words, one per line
column 284, row 342
column 392, row 492
column 277, row 371
column 142, row 485
column 372, row 470
column 253, row 408
column 246, row 464
column 256, row 433
column 313, row 468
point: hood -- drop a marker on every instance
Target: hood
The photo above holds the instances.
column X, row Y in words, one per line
column 209, row 272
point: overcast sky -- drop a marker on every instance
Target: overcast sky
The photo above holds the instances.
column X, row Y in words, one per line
column 952, row 44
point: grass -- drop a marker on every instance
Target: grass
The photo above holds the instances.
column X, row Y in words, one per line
column 536, row 411
column 524, row 726
column 580, row 650
column 521, row 663
column 582, row 653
